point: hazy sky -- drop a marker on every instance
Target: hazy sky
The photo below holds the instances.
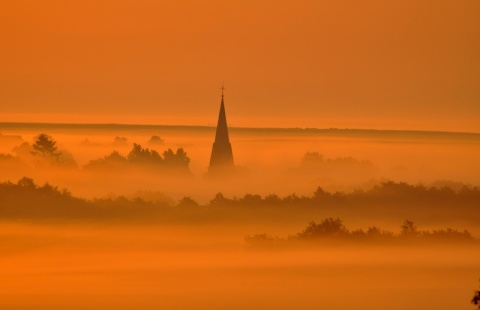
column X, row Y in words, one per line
column 404, row 64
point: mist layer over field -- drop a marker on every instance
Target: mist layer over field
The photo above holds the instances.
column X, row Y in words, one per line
column 205, row 267
column 269, row 160
column 128, row 234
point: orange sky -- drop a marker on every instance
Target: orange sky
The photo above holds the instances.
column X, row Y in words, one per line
column 405, row 64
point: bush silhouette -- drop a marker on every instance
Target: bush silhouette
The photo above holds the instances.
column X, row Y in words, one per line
column 329, row 227
column 333, row 229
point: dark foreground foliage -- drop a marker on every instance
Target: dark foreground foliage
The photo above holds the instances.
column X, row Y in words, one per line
column 333, row 230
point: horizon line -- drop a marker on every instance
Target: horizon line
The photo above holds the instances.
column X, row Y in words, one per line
column 238, row 127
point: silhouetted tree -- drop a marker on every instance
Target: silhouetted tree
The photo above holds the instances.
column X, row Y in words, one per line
column 113, row 161
column 145, row 156
column 219, row 200
column 315, row 163
column 272, row 199
column 176, row 160
column 45, row 148
column 45, row 145
column 408, row 229
column 312, row 157
column 26, row 183
column 329, row 227
column 374, row 231
column 476, row 299
column 320, row 194
column 251, row 200
column 449, row 234
column 187, row 202
column 358, row 233
column 115, row 156
column 156, row 140
column 120, row 141
column 262, row 240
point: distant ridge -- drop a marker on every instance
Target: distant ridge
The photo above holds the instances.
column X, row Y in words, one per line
column 346, row 132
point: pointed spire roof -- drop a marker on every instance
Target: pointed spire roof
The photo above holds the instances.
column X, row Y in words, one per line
column 221, row 135
column 222, row 155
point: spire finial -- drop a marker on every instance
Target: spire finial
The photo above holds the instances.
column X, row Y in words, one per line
column 223, row 88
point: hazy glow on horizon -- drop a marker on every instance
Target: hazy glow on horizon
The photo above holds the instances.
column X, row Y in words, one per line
column 373, row 64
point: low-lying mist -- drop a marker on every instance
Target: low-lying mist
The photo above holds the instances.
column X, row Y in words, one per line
column 125, row 266
column 272, row 161
column 122, row 217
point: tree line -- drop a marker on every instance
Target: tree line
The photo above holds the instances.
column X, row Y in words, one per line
column 26, row 198
column 333, row 229
column 45, row 152
column 139, row 156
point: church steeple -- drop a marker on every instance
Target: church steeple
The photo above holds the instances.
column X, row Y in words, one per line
column 222, row 155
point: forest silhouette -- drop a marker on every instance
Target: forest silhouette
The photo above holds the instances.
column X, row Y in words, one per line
column 385, row 200
column 143, row 157
column 45, row 153
column 26, row 199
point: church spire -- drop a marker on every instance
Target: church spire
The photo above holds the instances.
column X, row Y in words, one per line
column 222, row 156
